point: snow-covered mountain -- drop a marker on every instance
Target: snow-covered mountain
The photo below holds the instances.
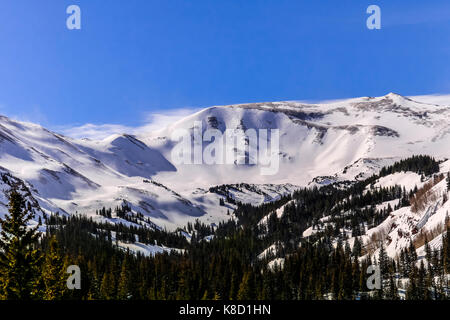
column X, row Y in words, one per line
column 71, row 177
column 319, row 144
column 406, row 224
column 341, row 139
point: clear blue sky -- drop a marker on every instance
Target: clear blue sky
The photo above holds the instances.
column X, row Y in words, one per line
column 132, row 57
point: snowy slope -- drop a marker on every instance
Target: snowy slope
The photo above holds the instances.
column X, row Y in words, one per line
column 81, row 176
column 343, row 139
column 319, row 143
column 279, row 213
column 405, row 225
column 7, row 182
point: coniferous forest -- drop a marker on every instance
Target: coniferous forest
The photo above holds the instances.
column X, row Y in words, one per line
column 223, row 262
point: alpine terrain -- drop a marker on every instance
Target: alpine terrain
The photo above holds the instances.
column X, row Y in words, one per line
column 357, row 182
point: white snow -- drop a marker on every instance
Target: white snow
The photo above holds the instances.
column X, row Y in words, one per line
column 144, row 249
column 346, row 140
column 278, row 262
column 278, row 212
column 403, row 225
column 409, row 180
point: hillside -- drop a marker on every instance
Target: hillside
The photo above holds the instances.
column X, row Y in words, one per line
column 359, row 181
column 319, row 144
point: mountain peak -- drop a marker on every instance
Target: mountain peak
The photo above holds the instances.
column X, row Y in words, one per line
column 396, row 97
column 393, row 94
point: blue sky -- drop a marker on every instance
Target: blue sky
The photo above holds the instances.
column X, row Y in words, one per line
column 137, row 57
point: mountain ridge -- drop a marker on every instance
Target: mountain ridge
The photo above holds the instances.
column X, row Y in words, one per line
column 317, row 140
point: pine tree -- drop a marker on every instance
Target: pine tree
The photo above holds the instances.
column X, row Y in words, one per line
column 392, row 292
column 94, row 281
column 123, row 290
column 411, row 256
column 234, row 286
column 20, row 260
column 347, row 249
column 421, row 283
column 107, row 287
column 448, row 182
column 412, row 292
column 428, row 255
column 53, row 272
column 383, row 261
column 247, row 286
column 357, row 248
column 427, row 249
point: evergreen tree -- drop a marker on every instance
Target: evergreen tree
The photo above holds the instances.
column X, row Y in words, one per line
column 383, row 262
column 428, row 255
column 247, row 287
column 448, row 182
column 123, row 289
column 412, row 292
column 107, row 287
column 357, row 248
column 54, row 272
column 392, row 292
column 234, row 286
column 20, row 260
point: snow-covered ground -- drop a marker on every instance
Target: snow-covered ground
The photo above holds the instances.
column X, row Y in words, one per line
column 403, row 225
column 141, row 248
column 345, row 140
column 279, row 213
column 318, row 140
column 409, row 180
